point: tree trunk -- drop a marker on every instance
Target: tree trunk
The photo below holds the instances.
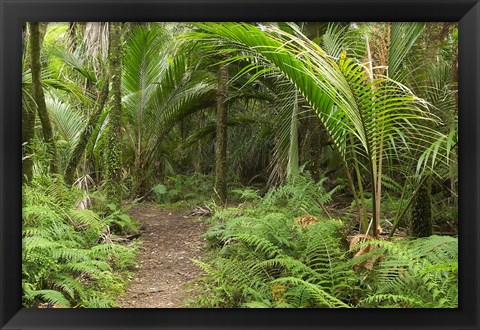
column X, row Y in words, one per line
column 28, row 132
column 112, row 152
column 28, row 117
column 314, row 140
column 421, row 224
column 221, row 138
column 35, row 44
column 76, row 32
column 86, row 134
column 197, row 161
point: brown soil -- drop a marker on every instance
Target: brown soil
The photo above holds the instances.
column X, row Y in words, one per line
column 165, row 272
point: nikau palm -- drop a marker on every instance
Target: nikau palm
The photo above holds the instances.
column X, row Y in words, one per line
column 160, row 89
column 373, row 118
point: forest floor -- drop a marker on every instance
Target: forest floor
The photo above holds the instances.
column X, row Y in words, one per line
column 165, row 273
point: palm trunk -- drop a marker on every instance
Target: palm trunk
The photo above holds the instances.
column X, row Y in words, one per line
column 421, row 224
column 378, row 190
column 112, row 152
column 221, row 138
column 360, row 199
column 86, row 134
column 293, row 161
column 35, row 45
column 197, row 162
column 378, row 199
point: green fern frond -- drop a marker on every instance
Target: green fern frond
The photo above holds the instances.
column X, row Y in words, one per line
column 38, row 242
column 96, row 302
column 94, row 268
column 82, row 218
column 396, row 300
column 259, row 244
column 68, row 285
column 71, row 254
column 51, row 296
column 323, row 298
column 288, row 264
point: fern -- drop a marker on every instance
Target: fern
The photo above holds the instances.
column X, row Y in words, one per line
column 271, row 250
column 96, row 302
column 265, row 258
column 51, row 296
column 416, row 273
column 321, row 297
column 300, row 195
column 63, row 264
column 70, row 286
column 260, row 244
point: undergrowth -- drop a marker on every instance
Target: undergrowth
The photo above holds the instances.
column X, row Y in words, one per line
column 68, row 259
column 411, row 273
column 264, row 254
column 184, row 190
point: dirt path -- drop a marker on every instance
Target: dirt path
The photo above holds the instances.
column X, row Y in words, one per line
column 170, row 239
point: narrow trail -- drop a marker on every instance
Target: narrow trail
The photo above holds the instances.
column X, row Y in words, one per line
column 170, row 239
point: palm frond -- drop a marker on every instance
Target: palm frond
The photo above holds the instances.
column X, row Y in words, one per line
column 68, row 122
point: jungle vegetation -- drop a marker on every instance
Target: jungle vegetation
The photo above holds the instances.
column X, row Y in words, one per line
column 326, row 153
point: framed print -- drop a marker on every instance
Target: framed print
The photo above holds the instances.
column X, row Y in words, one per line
column 239, row 164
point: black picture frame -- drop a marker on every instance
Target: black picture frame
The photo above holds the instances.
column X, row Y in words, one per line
column 15, row 12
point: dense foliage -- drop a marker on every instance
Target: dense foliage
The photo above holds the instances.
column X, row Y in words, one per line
column 327, row 153
column 265, row 255
column 69, row 258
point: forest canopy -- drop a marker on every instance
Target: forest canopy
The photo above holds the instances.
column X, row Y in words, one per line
column 321, row 158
